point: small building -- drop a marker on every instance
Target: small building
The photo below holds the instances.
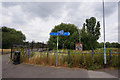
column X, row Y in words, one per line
column 78, row 46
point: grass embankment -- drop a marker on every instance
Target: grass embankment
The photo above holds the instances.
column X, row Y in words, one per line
column 5, row 51
column 75, row 59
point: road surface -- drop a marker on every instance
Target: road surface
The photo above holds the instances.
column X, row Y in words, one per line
column 30, row 71
column 0, row 66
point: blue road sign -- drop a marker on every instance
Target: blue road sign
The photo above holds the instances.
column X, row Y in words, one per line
column 60, row 32
column 66, row 33
column 54, row 34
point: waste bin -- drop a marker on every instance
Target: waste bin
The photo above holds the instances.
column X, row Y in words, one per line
column 16, row 59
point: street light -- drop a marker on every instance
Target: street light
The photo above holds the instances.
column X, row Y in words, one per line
column 104, row 36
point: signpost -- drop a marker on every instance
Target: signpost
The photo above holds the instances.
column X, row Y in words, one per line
column 59, row 33
column 64, row 34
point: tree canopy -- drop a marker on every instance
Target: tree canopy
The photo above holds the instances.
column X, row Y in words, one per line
column 90, row 33
column 109, row 45
column 11, row 36
column 67, row 42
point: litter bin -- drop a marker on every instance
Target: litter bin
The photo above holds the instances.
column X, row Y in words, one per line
column 16, row 59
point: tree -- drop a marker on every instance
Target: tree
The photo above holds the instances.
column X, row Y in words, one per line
column 115, row 45
column 11, row 36
column 90, row 33
column 101, row 45
column 107, row 44
column 66, row 42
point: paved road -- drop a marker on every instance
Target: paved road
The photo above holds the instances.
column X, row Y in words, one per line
column 0, row 66
column 30, row 71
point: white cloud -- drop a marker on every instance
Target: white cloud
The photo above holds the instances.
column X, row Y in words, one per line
column 31, row 20
column 111, row 27
column 0, row 13
column 38, row 29
column 58, row 0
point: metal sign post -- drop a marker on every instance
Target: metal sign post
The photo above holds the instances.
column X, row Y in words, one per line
column 58, row 34
column 57, row 49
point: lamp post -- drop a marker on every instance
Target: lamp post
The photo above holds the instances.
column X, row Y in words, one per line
column 104, row 36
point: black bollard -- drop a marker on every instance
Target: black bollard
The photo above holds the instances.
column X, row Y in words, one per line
column 47, row 54
column 92, row 53
column 68, row 57
column 110, row 54
column 11, row 52
column 28, row 51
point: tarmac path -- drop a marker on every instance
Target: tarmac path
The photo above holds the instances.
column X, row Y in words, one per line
column 10, row 70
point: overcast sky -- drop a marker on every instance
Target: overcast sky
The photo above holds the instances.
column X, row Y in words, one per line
column 36, row 19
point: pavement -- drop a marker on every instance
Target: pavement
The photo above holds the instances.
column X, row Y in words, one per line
column 0, row 66
column 10, row 70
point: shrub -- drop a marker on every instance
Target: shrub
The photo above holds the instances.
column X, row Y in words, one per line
column 80, row 60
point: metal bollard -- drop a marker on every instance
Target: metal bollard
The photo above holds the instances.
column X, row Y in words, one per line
column 110, row 54
column 11, row 52
column 28, row 52
column 68, row 57
column 92, row 53
column 47, row 54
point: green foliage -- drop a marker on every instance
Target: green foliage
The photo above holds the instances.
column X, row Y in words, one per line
column 90, row 33
column 86, row 61
column 75, row 59
column 23, row 58
column 114, row 61
column 67, row 42
column 101, row 50
column 109, row 45
column 11, row 36
column 37, row 45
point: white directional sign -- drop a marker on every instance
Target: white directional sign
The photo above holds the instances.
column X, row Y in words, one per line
column 61, row 32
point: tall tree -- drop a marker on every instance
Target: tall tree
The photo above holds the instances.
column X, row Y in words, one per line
column 90, row 33
column 11, row 36
column 67, row 42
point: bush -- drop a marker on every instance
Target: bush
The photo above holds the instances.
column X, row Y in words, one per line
column 82, row 60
